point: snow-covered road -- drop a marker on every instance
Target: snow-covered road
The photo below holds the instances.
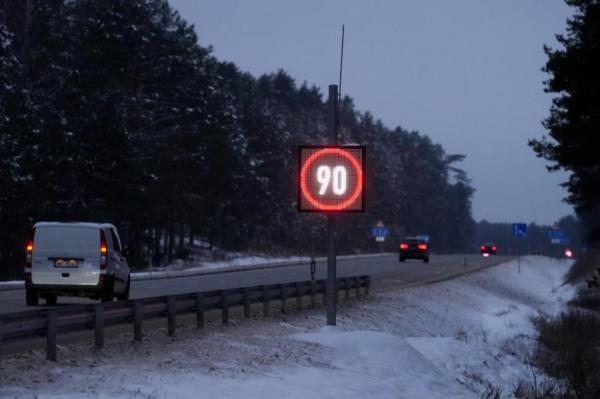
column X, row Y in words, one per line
column 445, row 340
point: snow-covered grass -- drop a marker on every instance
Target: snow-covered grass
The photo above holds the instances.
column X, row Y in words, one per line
column 448, row 340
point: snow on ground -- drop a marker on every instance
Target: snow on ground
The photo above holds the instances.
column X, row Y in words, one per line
column 234, row 261
column 446, row 340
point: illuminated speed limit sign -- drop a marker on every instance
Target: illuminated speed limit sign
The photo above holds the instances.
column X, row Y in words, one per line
column 331, row 179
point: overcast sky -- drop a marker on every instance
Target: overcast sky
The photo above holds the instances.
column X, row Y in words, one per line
column 465, row 72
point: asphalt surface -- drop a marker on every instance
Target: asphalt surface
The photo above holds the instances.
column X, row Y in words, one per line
column 385, row 271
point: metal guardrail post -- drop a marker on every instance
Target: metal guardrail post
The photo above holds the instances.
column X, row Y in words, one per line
column 247, row 303
column 99, row 325
column 266, row 301
column 283, row 298
column 138, row 317
column 298, row 296
column 313, row 299
column 171, row 309
column 51, row 331
column 199, row 310
column 224, row 306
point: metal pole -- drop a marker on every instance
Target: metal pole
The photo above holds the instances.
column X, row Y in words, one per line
column 331, row 274
column 331, row 260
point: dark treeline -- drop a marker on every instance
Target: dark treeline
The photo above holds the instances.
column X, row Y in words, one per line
column 537, row 241
column 574, row 120
column 112, row 111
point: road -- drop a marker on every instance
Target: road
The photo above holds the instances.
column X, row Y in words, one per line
column 385, row 270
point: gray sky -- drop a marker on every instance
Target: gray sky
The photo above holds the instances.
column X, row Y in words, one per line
column 465, row 72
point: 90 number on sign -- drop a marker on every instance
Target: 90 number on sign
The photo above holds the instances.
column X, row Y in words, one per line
column 331, row 179
column 340, row 179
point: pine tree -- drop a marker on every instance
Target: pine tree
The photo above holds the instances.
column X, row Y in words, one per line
column 574, row 120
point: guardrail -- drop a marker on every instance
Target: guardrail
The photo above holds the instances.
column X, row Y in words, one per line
column 52, row 321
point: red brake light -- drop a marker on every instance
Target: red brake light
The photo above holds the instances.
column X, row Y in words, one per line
column 568, row 253
column 103, row 251
column 103, row 247
column 29, row 253
column 403, row 246
column 483, row 247
column 493, row 248
column 422, row 247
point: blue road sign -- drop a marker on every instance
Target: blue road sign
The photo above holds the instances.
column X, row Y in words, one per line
column 424, row 237
column 519, row 230
column 380, row 232
column 555, row 234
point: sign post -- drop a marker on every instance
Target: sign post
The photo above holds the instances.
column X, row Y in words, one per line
column 331, row 180
column 331, row 254
column 519, row 231
column 380, row 232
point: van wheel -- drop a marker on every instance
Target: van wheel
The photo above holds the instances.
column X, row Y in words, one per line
column 125, row 295
column 426, row 260
column 32, row 297
column 50, row 299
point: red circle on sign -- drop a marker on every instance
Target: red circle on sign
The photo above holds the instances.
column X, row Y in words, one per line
column 355, row 194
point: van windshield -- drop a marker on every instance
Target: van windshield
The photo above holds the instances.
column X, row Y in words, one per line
column 66, row 238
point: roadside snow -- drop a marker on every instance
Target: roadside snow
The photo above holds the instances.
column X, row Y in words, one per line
column 448, row 340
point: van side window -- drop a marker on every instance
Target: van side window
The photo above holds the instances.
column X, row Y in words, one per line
column 115, row 239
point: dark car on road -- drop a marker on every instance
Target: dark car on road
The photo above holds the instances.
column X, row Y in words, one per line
column 414, row 248
column 488, row 249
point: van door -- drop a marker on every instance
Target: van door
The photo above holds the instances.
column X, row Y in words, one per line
column 66, row 255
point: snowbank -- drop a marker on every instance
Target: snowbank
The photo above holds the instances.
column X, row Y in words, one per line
column 448, row 340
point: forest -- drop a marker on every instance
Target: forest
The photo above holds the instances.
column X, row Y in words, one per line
column 114, row 112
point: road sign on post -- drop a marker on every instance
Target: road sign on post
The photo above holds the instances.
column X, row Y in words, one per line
column 380, row 233
column 556, row 236
column 519, row 230
column 331, row 180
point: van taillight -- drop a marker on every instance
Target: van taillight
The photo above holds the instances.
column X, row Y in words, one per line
column 29, row 253
column 103, row 251
column 422, row 247
column 403, row 246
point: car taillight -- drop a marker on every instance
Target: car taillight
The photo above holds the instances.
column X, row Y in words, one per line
column 422, row 247
column 483, row 247
column 403, row 246
column 29, row 253
column 569, row 253
column 494, row 248
column 103, row 251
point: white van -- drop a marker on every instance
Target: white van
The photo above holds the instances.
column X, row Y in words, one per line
column 75, row 259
